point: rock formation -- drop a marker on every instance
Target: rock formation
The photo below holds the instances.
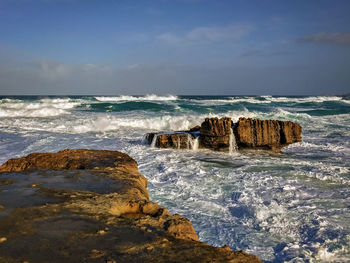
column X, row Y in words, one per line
column 215, row 134
column 222, row 134
column 176, row 140
column 266, row 134
column 52, row 216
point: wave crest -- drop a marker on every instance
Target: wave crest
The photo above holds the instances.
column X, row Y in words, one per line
column 151, row 97
column 41, row 108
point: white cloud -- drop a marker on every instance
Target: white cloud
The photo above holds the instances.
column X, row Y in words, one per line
column 208, row 34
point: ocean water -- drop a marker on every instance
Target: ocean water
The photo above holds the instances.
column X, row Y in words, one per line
column 289, row 207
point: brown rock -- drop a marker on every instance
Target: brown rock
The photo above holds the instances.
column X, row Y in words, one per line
column 69, row 229
column 266, row 134
column 181, row 228
column 249, row 133
column 216, row 127
column 215, row 134
column 71, row 160
column 176, row 140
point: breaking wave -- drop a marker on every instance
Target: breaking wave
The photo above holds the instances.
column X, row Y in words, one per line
column 315, row 99
column 38, row 108
column 289, row 207
column 151, row 97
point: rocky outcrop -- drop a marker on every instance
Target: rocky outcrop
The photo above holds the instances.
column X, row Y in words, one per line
column 176, row 140
column 215, row 134
column 224, row 135
column 60, row 219
column 266, row 134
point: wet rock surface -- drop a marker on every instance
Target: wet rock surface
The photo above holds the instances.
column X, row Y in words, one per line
column 223, row 135
column 215, row 134
column 266, row 134
column 177, row 140
column 64, row 220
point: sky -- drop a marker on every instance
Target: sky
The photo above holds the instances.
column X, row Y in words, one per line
column 182, row 47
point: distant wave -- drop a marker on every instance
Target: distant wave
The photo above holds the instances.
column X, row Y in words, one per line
column 40, row 108
column 230, row 100
column 151, row 97
column 269, row 99
column 315, row 99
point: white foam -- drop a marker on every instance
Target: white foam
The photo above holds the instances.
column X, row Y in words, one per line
column 154, row 141
column 230, row 100
column 233, row 144
column 151, row 97
column 108, row 123
column 324, row 255
column 269, row 99
column 41, row 108
column 315, row 99
column 157, row 123
column 308, row 146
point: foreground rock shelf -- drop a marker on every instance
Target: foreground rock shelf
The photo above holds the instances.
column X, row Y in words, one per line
column 92, row 206
column 224, row 135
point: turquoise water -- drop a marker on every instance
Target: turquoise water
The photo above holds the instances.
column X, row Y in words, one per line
column 289, row 207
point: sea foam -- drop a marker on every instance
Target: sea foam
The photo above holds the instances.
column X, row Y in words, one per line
column 150, row 97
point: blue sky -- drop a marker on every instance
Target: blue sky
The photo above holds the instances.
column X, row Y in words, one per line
column 298, row 47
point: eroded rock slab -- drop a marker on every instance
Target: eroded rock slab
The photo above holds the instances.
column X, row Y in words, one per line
column 215, row 134
column 58, row 223
column 266, row 134
column 176, row 140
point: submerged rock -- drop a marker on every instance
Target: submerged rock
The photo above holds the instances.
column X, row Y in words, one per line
column 224, row 135
column 74, row 224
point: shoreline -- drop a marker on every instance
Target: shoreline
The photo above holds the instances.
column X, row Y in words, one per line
column 120, row 226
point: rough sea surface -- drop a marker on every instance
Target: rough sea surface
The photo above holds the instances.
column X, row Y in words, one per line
column 289, row 207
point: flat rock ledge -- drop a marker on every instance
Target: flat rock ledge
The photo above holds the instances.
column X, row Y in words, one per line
column 45, row 222
column 225, row 135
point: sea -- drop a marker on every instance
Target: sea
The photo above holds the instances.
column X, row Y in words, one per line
column 288, row 207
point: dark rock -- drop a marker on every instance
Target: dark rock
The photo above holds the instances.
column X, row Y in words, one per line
column 195, row 129
column 148, row 138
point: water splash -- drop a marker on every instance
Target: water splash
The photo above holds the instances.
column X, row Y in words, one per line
column 233, row 144
column 195, row 144
column 192, row 144
column 154, row 140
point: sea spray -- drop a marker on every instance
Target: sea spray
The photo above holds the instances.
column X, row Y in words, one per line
column 195, row 144
column 154, row 140
column 233, row 145
column 192, row 144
